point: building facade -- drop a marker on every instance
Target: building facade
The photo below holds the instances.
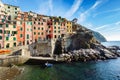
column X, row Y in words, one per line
column 10, row 39
column 20, row 24
column 11, row 10
column 69, row 27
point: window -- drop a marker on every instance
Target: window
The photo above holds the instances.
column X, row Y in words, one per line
column 14, row 32
column 42, row 33
column 48, row 26
column 14, row 39
column 27, row 36
column 3, row 20
column 21, row 28
column 0, row 31
column 14, row 44
column 34, row 27
column 41, row 23
column 14, row 26
column 54, row 31
column 58, row 27
column 38, row 33
column 58, row 31
column 42, row 28
column 27, row 29
column 7, row 25
column 8, row 7
column 7, row 38
column 54, row 27
column 38, row 23
column 30, row 23
column 15, row 8
column 34, row 33
column 21, row 35
column 20, row 22
column 55, row 36
column 38, row 28
column 7, row 46
column 0, row 37
column 0, row 25
column 15, row 12
column 34, row 22
column 44, row 20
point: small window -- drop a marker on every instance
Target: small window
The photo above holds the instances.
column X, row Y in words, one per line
column 7, row 38
column 42, row 33
column 54, row 27
column 8, row 7
column 0, row 37
column 27, row 36
column 38, row 33
column 55, row 36
column 15, row 12
column 14, row 39
column 42, row 28
column 38, row 23
column 15, row 8
column 7, row 25
column 34, row 33
column 21, row 35
column 0, row 31
column 14, row 26
column 0, row 25
column 41, row 23
column 34, row 27
column 21, row 29
column 54, row 31
column 38, row 28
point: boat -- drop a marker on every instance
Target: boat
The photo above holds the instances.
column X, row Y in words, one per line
column 48, row 64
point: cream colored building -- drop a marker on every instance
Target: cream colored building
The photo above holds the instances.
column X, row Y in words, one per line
column 10, row 39
column 11, row 10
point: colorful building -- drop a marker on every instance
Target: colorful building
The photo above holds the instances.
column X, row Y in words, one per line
column 10, row 39
column 20, row 24
column 28, row 28
column 49, row 30
column 56, row 28
column 11, row 10
column 69, row 27
column 63, row 27
column 2, row 24
column 42, row 28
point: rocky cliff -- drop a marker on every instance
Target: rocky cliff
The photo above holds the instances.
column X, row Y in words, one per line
column 99, row 37
column 85, row 47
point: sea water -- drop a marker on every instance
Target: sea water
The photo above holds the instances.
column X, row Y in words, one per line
column 100, row 70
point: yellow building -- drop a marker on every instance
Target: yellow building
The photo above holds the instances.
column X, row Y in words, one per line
column 10, row 39
column 69, row 27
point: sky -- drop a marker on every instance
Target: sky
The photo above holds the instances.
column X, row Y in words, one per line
column 102, row 16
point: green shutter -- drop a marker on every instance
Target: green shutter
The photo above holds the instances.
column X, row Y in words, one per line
column 7, row 25
column 0, row 37
column 0, row 31
column 27, row 36
column 7, row 38
column 14, row 26
column 14, row 39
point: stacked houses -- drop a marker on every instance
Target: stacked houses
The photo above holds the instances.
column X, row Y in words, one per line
column 19, row 28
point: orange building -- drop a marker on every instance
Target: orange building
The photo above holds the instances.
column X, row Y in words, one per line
column 20, row 23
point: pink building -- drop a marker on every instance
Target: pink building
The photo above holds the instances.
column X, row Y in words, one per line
column 28, row 28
